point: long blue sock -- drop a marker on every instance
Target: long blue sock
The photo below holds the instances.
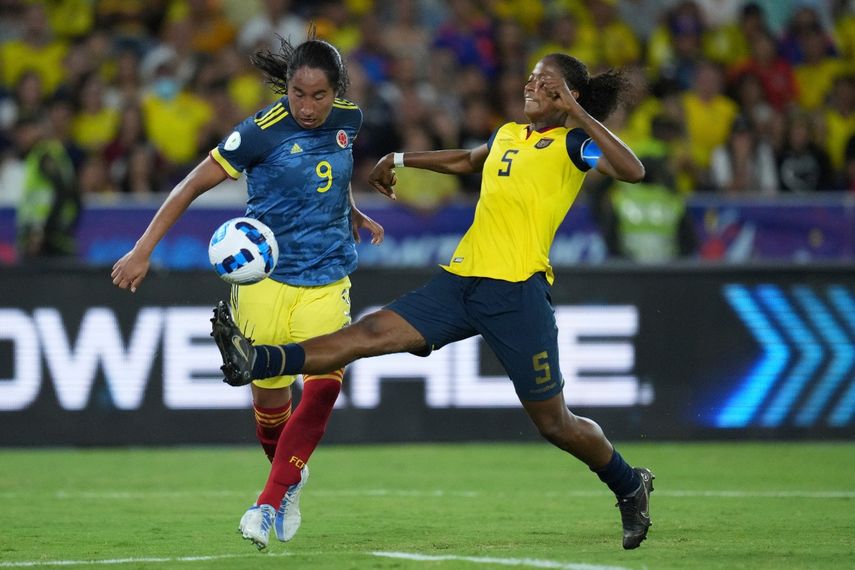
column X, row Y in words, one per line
column 619, row 476
column 278, row 360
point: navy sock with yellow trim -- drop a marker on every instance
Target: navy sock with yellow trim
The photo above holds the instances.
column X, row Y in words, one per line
column 278, row 360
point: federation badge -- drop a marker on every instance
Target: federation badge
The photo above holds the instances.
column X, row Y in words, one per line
column 543, row 143
column 341, row 139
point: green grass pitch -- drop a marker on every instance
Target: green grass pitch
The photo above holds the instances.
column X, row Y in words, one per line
column 431, row 507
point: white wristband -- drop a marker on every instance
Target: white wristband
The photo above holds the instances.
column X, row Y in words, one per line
column 398, row 159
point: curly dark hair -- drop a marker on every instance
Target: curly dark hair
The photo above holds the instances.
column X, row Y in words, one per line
column 598, row 95
column 279, row 68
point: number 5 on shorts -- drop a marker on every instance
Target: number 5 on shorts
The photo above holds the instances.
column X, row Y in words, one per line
column 540, row 362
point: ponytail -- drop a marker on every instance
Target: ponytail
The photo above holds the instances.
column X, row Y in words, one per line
column 603, row 93
column 598, row 95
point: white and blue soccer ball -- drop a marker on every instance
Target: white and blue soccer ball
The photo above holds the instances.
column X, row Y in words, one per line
column 243, row 251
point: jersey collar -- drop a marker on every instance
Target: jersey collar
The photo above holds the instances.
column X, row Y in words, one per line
column 529, row 131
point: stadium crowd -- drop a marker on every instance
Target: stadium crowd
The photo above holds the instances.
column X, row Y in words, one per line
column 733, row 97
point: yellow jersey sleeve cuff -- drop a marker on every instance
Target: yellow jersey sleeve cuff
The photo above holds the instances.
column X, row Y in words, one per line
column 220, row 159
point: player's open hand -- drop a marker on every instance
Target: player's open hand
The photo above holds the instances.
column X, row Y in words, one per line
column 361, row 221
column 130, row 270
column 382, row 177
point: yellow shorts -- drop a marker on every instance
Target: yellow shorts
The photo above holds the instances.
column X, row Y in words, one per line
column 275, row 313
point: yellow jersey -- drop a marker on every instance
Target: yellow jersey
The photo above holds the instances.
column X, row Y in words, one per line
column 174, row 127
column 529, row 181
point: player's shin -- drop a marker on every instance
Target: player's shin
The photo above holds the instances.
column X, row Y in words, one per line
column 269, row 423
column 301, row 435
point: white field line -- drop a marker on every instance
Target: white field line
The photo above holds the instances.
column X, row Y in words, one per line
column 110, row 495
column 118, row 561
column 523, row 562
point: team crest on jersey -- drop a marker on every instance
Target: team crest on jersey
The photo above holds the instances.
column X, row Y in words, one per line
column 341, row 139
column 543, row 143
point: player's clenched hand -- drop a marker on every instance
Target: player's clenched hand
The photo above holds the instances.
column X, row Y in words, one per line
column 557, row 90
column 361, row 221
column 130, row 270
column 382, row 177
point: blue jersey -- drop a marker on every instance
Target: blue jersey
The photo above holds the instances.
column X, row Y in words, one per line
column 298, row 183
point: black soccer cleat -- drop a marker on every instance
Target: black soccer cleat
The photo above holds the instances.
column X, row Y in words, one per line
column 635, row 510
column 235, row 348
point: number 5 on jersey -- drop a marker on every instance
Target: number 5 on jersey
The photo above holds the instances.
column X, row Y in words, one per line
column 507, row 158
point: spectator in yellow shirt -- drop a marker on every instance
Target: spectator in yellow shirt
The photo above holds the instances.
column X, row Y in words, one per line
column 708, row 114
column 817, row 73
column 568, row 35
column 423, row 191
column 617, row 43
column 210, row 30
column 71, row 18
column 35, row 51
column 95, row 124
column 175, row 120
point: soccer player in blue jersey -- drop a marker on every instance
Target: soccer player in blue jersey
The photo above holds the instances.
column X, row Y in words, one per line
column 497, row 281
column 297, row 156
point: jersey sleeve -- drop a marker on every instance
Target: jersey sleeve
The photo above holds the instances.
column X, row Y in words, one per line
column 491, row 139
column 348, row 116
column 578, row 147
column 241, row 149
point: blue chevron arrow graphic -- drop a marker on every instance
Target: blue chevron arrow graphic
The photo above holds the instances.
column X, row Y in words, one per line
column 842, row 360
column 845, row 305
column 810, row 350
column 743, row 405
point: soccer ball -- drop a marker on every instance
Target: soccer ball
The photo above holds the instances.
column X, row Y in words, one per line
column 243, row 251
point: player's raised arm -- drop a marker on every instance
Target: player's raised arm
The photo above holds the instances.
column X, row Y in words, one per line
column 608, row 154
column 129, row 271
column 457, row 161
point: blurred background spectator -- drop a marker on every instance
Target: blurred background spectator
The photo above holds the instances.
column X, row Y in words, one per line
column 748, row 97
column 648, row 222
column 744, row 164
column 803, row 166
column 49, row 206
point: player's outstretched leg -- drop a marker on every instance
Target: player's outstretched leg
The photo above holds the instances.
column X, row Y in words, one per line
column 288, row 517
column 635, row 510
column 235, row 348
column 585, row 440
column 255, row 524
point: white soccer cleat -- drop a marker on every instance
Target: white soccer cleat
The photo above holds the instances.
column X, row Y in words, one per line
column 255, row 524
column 288, row 517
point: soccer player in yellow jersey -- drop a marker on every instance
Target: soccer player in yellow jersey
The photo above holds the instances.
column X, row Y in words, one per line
column 497, row 281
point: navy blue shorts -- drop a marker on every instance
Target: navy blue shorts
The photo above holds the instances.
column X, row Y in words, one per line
column 516, row 320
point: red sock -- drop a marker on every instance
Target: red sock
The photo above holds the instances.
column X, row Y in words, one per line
column 301, row 435
column 269, row 423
